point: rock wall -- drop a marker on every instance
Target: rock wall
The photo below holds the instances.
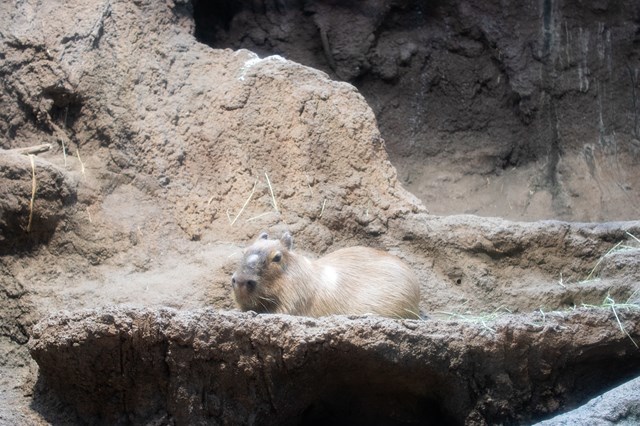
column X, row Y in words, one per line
column 168, row 156
column 526, row 111
column 200, row 126
column 620, row 405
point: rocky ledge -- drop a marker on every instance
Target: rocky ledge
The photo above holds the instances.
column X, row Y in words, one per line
column 161, row 366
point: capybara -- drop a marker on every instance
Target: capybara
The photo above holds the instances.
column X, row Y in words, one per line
column 272, row 278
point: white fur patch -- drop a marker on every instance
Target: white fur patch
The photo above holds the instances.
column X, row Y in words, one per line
column 252, row 260
column 330, row 277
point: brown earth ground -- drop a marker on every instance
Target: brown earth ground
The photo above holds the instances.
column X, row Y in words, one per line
column 167, row 156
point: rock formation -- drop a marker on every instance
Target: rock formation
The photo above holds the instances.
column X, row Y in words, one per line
column 168, row 155
column 140, row 366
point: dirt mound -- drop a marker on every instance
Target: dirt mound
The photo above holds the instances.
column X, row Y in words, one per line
column 138, row 365
column 168, row 156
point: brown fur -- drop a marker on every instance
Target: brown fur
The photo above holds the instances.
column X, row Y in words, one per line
column 354, row 280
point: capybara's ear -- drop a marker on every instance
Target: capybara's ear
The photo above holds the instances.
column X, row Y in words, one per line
column 287, row 240
column 263, row 236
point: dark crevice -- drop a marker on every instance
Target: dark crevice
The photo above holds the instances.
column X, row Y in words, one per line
column 210, row 16
column 369, row 405
column 66, row 109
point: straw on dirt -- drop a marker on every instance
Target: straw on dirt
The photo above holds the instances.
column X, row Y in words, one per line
column 273, row 198
column 81, row 163
column 620, row 246
column 33, row 190
column 245, row 203
column 609, row 303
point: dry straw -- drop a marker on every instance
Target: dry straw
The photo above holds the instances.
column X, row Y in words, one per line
column 244, row 205
column 259, row 216
column 621, row 246
column 33, row 190
column 484, row 318
column 273, row 198
column 64, row 152
column 609, row 303
column 81, row 163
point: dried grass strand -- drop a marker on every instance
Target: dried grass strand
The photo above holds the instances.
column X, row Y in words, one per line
column 611, row 250
column 245, row 203
column 64, row 152
column 33, row 190
column 81, row 163
column 324, row 202
column 273, row 198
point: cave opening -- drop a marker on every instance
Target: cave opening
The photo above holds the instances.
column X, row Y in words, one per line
column 374, row 391
column 362, row 406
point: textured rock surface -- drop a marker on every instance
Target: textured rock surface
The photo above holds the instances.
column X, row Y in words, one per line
column 527, row 111
column 21, row 225
column 123, row 365
column 619, row 406
column 158, row 176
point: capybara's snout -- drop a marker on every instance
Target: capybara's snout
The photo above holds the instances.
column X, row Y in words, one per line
column 243, row 282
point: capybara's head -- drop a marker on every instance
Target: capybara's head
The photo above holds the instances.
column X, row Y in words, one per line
column 258, row 281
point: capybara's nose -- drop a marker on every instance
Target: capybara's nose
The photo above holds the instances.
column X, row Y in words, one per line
column 241, row 281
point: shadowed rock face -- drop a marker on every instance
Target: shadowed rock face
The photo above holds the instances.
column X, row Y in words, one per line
column 23, row 226
column 619, row 406
column 524, row 110
column 121, row 365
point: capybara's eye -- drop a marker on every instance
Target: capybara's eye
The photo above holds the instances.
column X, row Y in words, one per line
column 277, row 257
